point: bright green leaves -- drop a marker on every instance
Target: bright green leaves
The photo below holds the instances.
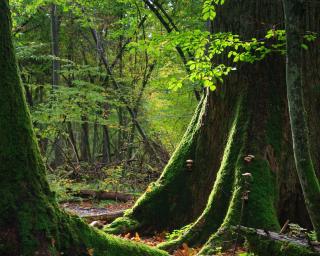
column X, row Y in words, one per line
column 68, row 104
column 208, row 74
column 279, row 34
column 175, row 84
column 209, row 9
column 310, row 36
column 280, row 37
column 204, row 66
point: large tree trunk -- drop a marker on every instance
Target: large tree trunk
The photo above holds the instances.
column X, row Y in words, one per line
column 248, row 114
column 30, row 221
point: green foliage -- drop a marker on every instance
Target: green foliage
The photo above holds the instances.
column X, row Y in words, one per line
column 209, row 10
column 177, row 232
column 205, row 66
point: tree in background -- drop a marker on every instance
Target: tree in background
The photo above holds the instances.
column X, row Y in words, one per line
column 96, row 102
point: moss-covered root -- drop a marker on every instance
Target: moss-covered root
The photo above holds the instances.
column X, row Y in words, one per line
column 100, row 244
column 67, row 235
column 152, row 208
column 222, row 240
column 219, row 199
column 263, row 246
column 258, row 211
column 122, row 225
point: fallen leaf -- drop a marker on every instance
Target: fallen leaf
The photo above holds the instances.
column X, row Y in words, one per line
column 90, row 252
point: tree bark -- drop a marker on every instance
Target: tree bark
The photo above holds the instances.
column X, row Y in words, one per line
column 31, row 222
column 294, row 11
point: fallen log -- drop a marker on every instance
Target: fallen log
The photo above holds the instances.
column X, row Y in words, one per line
column 104, row 195
column 108, row 217
column 266, row 243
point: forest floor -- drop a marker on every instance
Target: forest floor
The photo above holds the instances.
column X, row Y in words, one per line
column 92, row 210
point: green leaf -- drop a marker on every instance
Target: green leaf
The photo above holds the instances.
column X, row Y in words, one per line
column 192, row 66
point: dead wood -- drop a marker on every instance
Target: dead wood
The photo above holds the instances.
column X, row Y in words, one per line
column 104, row 195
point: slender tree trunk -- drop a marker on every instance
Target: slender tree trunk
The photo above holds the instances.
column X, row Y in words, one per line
column 294, row 19
column 141, row 131
column 95, row 141
column 84, row 143
column 106, row 145
column 29, row 95
column 55, row 27
column 106, row 151
column 73, row 141
column 120, row 142
column 31, row 222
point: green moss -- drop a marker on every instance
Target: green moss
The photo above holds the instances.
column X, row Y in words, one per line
column 217, row 205
column 122, row 225
column 260, row 211
column 223, row 239
column 224, row 205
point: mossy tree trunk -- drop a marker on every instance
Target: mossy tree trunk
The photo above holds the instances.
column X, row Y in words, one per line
column 294, row 12
column 248, row 114
column 31, row 222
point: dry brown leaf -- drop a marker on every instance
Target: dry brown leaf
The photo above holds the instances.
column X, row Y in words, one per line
column 127, row 236
column 137, row 237
column 179, row 252
column 90, row 252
